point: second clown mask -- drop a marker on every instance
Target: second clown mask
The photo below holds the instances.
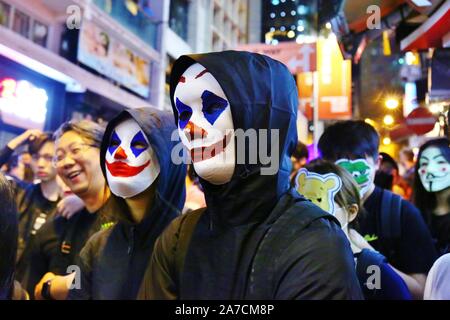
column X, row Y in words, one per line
column 205, row 124
column 131, row 164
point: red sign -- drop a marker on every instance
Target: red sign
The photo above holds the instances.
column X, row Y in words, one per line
column 420, row 121
column 297, row 57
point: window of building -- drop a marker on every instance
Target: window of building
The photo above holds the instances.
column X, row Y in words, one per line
column 21, row 23
column 137, row 16
column 39, row 33
column 178, row 20
column 5, row 9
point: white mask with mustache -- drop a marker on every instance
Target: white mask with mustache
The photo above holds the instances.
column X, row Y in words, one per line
column 131, row 164
column 434, row 170
column 205, row 124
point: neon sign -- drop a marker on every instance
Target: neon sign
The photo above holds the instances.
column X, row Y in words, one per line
column 22, row 103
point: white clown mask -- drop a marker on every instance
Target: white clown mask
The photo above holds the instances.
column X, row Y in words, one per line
column 205, row 124
column 131, row 164
column 434, row 170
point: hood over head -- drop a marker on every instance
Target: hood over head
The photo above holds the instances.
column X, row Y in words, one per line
column 262, row 95
column 169, row 187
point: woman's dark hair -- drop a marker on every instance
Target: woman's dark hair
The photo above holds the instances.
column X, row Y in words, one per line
column 8, row 238
column 301, row 151
column 384, row 177
column 424, row 200
column 349, row 192
column 349, row 139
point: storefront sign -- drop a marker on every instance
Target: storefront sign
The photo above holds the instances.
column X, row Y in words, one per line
column 22, row 104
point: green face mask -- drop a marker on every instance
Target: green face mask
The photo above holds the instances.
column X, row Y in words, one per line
column 359, row 169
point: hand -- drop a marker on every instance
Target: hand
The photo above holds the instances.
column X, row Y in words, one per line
column 357, row 241
column 38, row 289
column 69, row 205
column 27, row 136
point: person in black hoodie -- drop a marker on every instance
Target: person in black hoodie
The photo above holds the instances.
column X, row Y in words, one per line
column 148, row 188
column 257, row 238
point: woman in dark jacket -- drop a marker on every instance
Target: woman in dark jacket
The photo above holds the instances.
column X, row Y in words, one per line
column 149, row 191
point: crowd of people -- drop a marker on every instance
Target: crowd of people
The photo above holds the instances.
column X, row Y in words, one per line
column 110, row 214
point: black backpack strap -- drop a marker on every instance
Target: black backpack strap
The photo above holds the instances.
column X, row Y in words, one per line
column 277, row 238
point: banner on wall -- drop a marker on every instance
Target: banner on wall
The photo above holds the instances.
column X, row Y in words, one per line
column 100, row 51
column 297, row 57
column 334, row 83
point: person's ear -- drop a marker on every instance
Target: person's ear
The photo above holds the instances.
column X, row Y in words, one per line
column 352, row 210
column 378, row 162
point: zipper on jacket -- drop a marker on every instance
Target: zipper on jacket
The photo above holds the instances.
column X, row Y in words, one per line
column 131, row 243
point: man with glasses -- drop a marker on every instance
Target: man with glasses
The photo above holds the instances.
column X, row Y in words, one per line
column 37, row 202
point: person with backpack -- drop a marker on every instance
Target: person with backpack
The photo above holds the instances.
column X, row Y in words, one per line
column 432, row 190
column 392, row 226
column 334, row 190
column 257, row 238
column 149, row 192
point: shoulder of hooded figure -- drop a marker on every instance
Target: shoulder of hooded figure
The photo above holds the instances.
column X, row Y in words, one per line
column 176, row 236
column 305, row 214
column 94, row 246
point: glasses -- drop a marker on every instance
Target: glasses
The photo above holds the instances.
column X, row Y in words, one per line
column 75, row 152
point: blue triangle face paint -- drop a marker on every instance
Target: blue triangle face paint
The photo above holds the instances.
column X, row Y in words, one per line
column 213, row 106
column 138, row 144
column 184, row 113
column 114, row 143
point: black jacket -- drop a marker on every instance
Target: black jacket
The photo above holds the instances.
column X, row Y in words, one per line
column 58, row 243
column 33, row 210
column 113, row 261
column 316, row 263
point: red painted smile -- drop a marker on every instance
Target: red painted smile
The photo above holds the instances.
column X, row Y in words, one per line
column 205, row 153
column 121, row 169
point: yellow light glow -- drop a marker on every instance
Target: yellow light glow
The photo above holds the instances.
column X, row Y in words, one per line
column 328, row 26
column 388, row 120
column 391, row 103
column 386, row 141
column 291, row 34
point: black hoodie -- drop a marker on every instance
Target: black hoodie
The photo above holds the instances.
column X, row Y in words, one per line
column 317, row 263
column 113, row 261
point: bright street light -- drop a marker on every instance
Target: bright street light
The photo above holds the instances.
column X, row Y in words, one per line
column 391, row 103
column 388, row 120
